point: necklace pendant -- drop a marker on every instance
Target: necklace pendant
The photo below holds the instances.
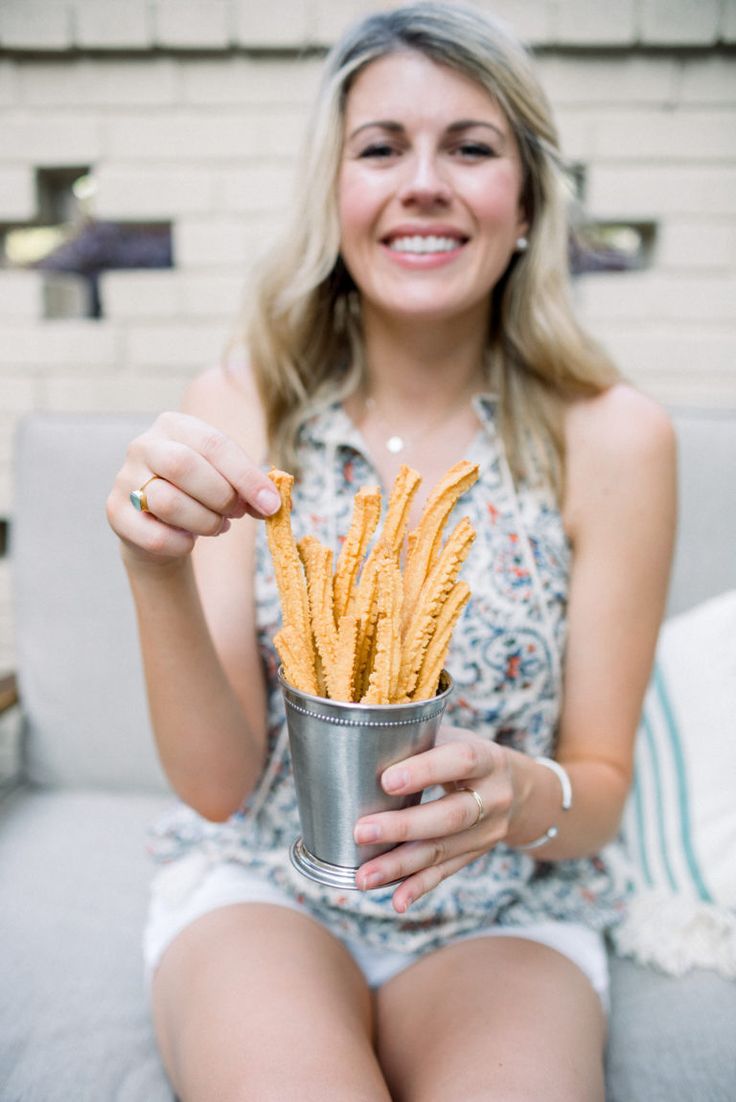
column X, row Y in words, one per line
column 395, row 444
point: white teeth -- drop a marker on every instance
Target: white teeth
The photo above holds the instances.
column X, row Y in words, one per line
column 417, row 244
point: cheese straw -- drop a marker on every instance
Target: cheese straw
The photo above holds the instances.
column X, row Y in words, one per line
column 368, row 633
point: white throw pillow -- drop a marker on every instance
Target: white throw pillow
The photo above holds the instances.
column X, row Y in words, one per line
column 679, row 827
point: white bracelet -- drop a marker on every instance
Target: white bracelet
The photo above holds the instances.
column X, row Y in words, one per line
column 564, row 780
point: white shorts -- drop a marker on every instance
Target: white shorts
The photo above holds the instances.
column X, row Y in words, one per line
column 193, row 886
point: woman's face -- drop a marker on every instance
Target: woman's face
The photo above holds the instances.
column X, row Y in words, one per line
column 429, row 190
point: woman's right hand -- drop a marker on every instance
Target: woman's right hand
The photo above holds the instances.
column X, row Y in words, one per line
column 201, row 481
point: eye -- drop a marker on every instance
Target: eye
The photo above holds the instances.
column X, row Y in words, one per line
column 475, row 151
column 377, row 150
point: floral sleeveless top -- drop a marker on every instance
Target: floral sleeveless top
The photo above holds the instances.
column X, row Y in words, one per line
column 505, row 660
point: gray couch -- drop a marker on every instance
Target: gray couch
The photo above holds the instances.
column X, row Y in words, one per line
column 74, row 1022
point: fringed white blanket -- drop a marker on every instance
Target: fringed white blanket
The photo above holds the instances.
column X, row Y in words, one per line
column 676, row 934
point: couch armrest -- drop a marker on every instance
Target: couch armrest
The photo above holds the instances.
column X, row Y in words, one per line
column 8, row 692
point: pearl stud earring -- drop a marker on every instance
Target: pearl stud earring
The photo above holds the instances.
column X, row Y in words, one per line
column 521, row 244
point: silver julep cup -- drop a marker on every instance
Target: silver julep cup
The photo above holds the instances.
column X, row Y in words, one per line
column 339, row 752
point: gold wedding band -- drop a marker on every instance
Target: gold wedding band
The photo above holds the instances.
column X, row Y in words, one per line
column 138, row 498
column 478, row 799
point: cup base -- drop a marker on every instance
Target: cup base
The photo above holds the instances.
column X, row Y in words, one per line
column 333, row 876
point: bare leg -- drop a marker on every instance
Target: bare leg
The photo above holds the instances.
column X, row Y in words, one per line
column 254, row 1001
column 488, row 1018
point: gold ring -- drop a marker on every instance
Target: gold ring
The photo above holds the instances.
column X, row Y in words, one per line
column 479, row 801
column 138, row 498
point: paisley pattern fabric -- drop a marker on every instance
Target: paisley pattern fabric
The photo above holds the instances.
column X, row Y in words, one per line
column 506, row 663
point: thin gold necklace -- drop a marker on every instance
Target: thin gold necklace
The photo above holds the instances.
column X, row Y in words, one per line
column 396, row 442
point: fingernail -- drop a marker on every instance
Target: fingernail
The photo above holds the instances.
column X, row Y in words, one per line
column 224, row 527
column 368, row 832
column 268, row 501
column 370, row 880
column 395, row 779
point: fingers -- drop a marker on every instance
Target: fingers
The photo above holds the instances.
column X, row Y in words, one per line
column 419, row 866
column 184, row 468
column 144, row 535
column 414, row 887
column 197, row 480
column 450, row 815
column 226, row 457
column 434, row 839
column 175, row 507
column 462, row 760
column 422, row 864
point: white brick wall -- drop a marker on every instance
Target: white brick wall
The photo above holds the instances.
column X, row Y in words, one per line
column 132, row 82
column 51, row 138
column 17, row 193
column 595, row 23
column 652, row 297
column 666, row 136
column 681, row 22
column 153, row 192
column 190, row 24
column 128, row 295
column 660, row 191
column 130, row 27
column 24, row 294
column 271, row 25
column 533, row 21
column 192, row 111
column 35, row 25
column 605, row 81
column 143, row 25
column 728, row 21
column 691, row 245
column 248, row 81
column 8, row 84
column 203, row 136
column 708, row 81
column 181, row 345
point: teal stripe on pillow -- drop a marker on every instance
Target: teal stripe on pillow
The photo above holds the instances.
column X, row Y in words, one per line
column 678, row 764
column 659, row 801
column 639, row 832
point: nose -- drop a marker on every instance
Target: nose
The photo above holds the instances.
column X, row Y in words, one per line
column 425, row 184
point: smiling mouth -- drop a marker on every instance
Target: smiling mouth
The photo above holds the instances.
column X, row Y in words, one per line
column 424, row 244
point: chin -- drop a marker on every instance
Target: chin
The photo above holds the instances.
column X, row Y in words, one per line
column 427, row 310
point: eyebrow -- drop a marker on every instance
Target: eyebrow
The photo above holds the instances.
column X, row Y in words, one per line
column 453, row 128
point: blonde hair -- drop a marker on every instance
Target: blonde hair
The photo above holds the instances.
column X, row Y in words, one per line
column 303, row 330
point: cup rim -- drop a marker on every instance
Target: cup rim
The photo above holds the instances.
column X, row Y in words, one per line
column 445, row 678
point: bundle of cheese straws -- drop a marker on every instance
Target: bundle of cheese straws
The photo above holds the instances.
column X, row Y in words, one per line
column 369, row 632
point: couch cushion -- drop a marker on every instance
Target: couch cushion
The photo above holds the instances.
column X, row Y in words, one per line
column 74, row 1018
column 671, row 1040
column 78, row 663
column 705, row 564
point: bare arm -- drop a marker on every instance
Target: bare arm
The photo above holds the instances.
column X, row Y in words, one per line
column 194, row 594
column 620, row 514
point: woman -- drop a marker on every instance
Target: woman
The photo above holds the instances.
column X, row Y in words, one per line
column 416, row 312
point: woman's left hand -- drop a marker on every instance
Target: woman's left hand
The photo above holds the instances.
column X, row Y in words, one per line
column 435, row 839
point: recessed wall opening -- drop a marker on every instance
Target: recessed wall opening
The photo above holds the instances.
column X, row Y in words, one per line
column 612, row 246
column 72, row 247
column 605, row 245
